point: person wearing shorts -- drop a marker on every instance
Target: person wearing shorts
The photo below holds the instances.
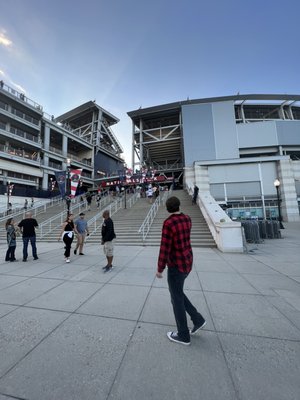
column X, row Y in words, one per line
column 81, row 229
column 108, row 235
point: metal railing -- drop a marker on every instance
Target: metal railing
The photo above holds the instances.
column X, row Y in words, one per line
column 133, row 199
column 57, row 220
column 113, row 207
column 146, row 225
column 20, row 96
column 12, row 151
column 35, row 210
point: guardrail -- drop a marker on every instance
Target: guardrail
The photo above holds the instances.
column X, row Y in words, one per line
column 112, row 208
column 146, row 225
column 53, row 222
column 35, row 210
column 56, row 221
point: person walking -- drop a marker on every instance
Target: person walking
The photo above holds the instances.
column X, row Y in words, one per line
column 67, row 235
column 25, row 204
column 108, row 235
column 150, row 193
column 176, row 253
column 11, row 240
column 98, row 199
column 195, row 194
column 81, row 229
column 27, row 227
column 88, row 197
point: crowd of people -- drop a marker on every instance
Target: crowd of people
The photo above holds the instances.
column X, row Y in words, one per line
column 175, row 254
column 70, row 228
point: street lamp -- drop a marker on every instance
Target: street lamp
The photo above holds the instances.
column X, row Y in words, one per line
column 124, row 190
column 277, row 184
column 9, row 192
column 68, row 186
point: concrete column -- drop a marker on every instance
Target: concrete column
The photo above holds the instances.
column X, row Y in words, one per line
column 189, row 178
column 45, row 174
column 289, row 204
column 262, row 190
column 202, row 178
column 45, row 181
column 47, row 137
column 141, row 145
column 133, row 148
column 65, row 146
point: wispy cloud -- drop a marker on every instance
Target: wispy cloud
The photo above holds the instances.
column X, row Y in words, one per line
column 18, row 87
column 4, row 40
column 10, row 82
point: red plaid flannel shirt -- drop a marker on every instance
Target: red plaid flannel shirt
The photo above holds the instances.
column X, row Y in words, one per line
column 175, row 248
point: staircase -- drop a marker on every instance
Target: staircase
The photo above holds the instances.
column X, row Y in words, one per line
column 128, row 221
column 126, row 224
column 49, row 211
column 200, row 234
column 54, row 233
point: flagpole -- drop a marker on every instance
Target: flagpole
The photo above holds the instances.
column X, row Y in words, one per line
column 68, row 198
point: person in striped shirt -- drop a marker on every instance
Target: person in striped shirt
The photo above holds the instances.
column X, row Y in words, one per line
column 176, row 253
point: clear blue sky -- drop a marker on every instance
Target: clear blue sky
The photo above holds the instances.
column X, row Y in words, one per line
column 130, row 53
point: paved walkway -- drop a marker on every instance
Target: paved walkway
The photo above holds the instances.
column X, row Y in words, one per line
column 68, row 331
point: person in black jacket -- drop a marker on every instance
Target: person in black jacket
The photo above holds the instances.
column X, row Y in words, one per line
column 195, row 194
column 27, row 227
column 108, row 235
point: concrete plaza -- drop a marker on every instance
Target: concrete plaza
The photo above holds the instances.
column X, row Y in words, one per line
column 71, row 332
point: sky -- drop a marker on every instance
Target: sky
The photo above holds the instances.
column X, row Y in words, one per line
column 127, row 54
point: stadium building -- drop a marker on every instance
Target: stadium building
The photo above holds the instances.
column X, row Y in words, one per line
column 34, row 144
column 234, row 147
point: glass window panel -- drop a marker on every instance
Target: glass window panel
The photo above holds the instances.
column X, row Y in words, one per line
column 217, row 191
column 240, row 189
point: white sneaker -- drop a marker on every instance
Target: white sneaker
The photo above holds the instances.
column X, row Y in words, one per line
column 67, row 260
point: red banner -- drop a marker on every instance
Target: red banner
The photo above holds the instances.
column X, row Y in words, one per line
column 137, row 181
column 75, row 175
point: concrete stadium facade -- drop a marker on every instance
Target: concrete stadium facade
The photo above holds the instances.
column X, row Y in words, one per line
column 34, row 144
column 233, row 147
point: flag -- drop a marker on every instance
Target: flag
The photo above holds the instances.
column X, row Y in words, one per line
column 75, row 175
column 61, row 182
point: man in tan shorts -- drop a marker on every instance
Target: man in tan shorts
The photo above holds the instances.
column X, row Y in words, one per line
column 108, row 235
column 81, row 229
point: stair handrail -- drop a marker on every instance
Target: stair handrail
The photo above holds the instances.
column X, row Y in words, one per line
column 133, row 199
column 35, row 210
column 112, row 208
column 148, row 221
column 57, row 220
column 46, row 226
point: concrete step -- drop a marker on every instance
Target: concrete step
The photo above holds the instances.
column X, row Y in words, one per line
column 128, row 221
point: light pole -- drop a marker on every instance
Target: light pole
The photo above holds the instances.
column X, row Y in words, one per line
column 9, row 192
column 277, row 184
column 124, row 190
column 68, row 186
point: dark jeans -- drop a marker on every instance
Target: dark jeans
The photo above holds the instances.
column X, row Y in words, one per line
column 181, row 304
column 10, row 254
column 68, row 241
column 26, row 240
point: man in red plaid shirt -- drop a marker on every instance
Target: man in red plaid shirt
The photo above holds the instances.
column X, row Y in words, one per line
column 176, row 253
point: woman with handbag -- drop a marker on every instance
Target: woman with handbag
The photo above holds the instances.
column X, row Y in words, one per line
column 11, row 240
column 67, row 235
